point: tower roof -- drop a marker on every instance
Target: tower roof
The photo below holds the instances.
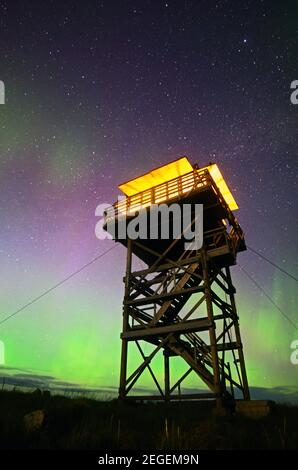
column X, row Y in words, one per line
column 157, row 176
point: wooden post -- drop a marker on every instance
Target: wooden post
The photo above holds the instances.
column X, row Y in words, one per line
column 167, row 376
column 212, row 335
column 246, row 393
column 125, row 324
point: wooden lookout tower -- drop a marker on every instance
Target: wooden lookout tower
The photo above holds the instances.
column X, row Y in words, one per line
column 182, row 303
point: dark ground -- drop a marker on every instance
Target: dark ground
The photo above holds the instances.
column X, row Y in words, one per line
column 76, row 423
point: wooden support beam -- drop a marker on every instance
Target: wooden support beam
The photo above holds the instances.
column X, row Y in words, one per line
column 202, row 324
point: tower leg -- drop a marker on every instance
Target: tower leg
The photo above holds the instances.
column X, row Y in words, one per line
column 123, row 369
column 212, row 334
column 125, row 325
column 167, row 376
column 246, row 394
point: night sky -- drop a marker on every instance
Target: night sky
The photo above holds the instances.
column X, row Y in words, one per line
column 98, row 92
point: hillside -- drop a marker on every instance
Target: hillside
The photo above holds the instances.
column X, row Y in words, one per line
column 60, row 422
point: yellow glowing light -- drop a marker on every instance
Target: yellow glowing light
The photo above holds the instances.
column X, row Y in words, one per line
column 155, row 177
column 138, row 189
column 222, row 186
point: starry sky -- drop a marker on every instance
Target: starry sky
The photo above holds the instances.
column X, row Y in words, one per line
column 98, row 92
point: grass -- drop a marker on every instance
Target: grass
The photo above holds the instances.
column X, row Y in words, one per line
column 79, row 423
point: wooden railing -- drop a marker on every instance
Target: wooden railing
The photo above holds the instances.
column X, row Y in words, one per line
column 175, row 188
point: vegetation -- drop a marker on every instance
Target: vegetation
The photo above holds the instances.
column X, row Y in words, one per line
column 80, row 423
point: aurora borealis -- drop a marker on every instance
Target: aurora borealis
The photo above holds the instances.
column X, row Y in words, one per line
column 100, row 92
